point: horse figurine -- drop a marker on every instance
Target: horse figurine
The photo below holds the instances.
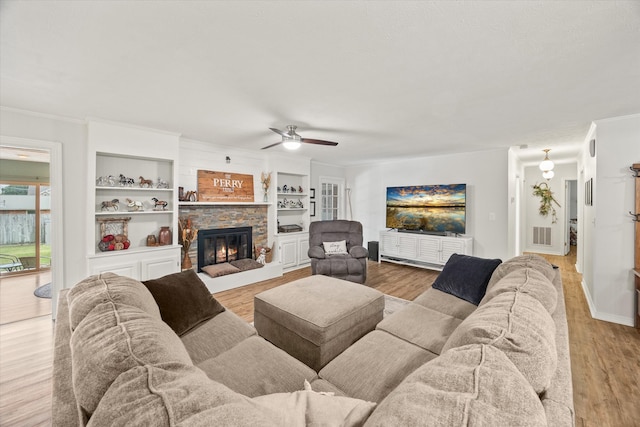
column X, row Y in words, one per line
column 134, row 205
column 159, row 204
column 146, row 182
column 110, row 204
column 126, row 181
column 162, row 183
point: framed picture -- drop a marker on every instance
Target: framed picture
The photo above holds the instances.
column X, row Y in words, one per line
column 312, row 208
column 588, row 192
column 312, row 193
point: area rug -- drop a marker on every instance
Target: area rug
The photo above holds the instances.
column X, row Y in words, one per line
column 43, row 291
column 393, row 304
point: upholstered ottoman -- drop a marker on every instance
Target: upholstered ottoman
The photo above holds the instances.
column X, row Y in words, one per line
column 316, row 318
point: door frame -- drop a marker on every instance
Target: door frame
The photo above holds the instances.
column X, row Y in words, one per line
column 57, row 219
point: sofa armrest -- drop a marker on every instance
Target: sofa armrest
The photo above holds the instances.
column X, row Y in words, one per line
column 316, row 252
column 358, row 252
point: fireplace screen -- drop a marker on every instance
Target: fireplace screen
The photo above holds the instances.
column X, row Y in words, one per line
column 220, row 245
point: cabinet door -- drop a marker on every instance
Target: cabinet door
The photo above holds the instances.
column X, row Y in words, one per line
column 388, row 244
column 128, row 269
column 288, row 253
column 303, row 250
column 450, row 247
column 407, row 246
column 429, row 249
column 152, row 269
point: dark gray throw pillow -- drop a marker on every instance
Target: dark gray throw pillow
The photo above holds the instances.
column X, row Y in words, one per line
column 466, row 277
column 184, row 300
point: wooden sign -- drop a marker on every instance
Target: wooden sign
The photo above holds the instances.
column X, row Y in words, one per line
column 224, row 187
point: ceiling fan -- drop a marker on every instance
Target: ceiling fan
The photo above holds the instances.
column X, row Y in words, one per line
column 291, row 140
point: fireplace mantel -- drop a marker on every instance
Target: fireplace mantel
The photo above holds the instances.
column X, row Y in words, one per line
column 196, row 204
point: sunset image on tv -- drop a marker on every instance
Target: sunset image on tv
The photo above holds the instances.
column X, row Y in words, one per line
column 428, row 208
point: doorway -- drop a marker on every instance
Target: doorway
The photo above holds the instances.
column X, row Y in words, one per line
column 571, row 216
column 30, row 236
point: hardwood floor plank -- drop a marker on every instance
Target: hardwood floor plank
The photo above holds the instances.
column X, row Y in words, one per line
column 604, row 356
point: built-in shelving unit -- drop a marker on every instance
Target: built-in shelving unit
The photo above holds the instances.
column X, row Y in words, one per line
column 131, row 167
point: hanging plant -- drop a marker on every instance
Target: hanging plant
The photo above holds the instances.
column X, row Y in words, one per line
column 543, row 191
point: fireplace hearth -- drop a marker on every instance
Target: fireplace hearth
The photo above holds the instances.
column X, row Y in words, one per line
column 220, row 245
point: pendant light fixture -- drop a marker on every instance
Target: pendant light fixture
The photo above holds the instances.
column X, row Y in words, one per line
column 546, row 166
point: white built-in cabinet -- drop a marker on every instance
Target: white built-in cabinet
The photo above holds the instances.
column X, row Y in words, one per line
column 116, row 205
column 291, row 207
column 422, row 250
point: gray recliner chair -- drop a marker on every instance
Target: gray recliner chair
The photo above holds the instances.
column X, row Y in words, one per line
column 351, row 265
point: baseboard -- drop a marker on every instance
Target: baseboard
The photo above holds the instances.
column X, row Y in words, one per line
column 613, row 318
column 237, row 280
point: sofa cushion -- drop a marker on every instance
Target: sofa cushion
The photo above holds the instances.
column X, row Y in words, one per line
column 374, row 366
column 215, row 336
column 256, row 367
column 521, row 327
column 175, row 394
column 522, row 261
column 527, row 281
column 445, row 303
column 421, row 326
column 112, row 339
column 184, row 300
column 108, row 287
column 474, row 385
column 466, row 277
column 308, row 408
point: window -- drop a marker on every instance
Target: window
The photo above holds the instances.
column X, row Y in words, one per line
column 331, row 198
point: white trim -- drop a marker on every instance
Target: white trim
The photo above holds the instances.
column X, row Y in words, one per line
column 74, row 120
column 341, row 183
column 621, row 320
column 57, row 218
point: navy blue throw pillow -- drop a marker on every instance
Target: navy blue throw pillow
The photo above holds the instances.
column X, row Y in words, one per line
column 466, row 277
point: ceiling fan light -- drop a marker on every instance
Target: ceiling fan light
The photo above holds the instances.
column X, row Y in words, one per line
column 291, row 144
column 548, row 174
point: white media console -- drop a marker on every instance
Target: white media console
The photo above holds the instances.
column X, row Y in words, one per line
column 421, row 250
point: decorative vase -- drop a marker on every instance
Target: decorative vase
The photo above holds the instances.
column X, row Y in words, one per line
column 186, row 261
column 266, row 197
column 164, row 237
column 151, row 240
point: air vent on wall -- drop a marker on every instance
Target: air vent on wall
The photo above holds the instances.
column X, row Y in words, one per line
column 542, row 236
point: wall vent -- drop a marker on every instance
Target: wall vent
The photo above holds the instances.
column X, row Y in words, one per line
column 542, row 236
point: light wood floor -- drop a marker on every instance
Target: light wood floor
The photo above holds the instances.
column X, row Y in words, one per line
column 605, row 356
column 17, row 301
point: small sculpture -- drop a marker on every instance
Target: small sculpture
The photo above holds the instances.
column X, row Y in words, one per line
column 159, row 204
column 110, row 204
column 124, row 181
column 262, row 258
column 134, row 205
column 146, row 182
column 285, row 189
column 300, row 189
column 162, row 183
column 292, row 189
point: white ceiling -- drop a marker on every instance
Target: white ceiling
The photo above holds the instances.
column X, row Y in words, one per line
column 383, row 78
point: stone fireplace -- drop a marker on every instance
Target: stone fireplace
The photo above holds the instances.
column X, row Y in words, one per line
column 217, row 216
column 220, row 245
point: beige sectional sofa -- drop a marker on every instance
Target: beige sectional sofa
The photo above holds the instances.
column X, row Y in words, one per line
column 439, row 361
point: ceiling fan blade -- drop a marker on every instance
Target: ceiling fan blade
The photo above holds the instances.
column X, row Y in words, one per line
column 280, row 132
column 272, row 145
column 318, row 141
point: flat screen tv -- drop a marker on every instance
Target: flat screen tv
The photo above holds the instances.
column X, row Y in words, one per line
column 436, row 209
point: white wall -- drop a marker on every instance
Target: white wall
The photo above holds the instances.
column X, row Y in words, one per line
column 484, row 172
column 532, row 174
column 609, row 280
